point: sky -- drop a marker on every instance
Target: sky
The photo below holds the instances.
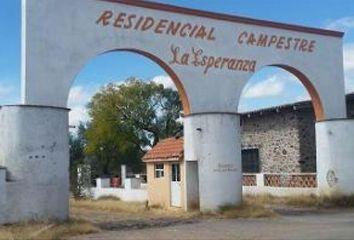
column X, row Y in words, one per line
column 268, row 87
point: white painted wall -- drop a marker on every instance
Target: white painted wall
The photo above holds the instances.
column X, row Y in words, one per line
column 103, row 182
column 60, row 37
column 133, row 191
column 219, row 158
column 277, row 191
column 132, row 183
column 36, row 155
column 132, row 195
column 335, row 156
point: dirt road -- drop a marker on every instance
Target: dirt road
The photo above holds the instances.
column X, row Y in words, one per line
column 295, row 225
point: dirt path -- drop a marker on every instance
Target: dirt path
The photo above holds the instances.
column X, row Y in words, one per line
column 329, row 224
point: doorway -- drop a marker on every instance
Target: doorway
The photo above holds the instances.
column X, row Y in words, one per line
column 176, row 185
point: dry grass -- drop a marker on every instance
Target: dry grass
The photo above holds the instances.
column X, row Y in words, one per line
column 253, row 207
column 46, row 231
column 124, row 210
column 247, row 211
column 260, row 206
column 322, row 201
column 108, row 204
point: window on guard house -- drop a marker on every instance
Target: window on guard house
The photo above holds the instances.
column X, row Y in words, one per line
column 250, row 160
column 159, row 170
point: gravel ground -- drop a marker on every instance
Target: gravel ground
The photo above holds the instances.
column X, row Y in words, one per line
column 291, row 224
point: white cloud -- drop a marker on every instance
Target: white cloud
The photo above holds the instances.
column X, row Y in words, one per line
column 346, row 24
column 79, row 97
column 341, row 24
column 304, row 97
column 349, row 57
column 166, row 81
column 5, row 90
column 349, row 66
column 273, row 86
column 77, row 115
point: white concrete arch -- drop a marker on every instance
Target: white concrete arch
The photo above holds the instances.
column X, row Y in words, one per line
column 212, row 66
column 180, row 88
column 318, row 107
column 210, row 57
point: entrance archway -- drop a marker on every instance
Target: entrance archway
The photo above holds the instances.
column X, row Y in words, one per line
column 210, row 57
column 106, row 145
column 171, row 73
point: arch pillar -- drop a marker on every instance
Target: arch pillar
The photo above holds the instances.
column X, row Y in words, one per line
column 212, row 142
column 35, row 152
column 335, row 156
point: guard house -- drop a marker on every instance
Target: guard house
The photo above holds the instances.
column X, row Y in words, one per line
column 164, row 167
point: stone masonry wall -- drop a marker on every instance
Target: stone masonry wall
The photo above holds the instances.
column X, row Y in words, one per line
column 285, row 139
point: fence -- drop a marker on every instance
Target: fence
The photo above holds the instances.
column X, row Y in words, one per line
column 280, row 184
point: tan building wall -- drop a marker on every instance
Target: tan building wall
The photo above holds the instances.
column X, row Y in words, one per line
column 159, row 189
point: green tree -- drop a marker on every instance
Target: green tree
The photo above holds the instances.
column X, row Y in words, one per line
column 77, row 155
column 127, row 119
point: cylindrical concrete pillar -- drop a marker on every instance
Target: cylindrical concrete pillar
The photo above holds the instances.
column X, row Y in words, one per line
column 34, row 148
column 213, row 140
column 335, row 156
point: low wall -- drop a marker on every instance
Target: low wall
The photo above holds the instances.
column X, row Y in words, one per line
column 133, row 191
column 131, row 195
column 280, row 184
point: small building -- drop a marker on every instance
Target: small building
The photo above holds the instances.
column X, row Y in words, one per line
column 164, row 167
column 278, row 155
column 281, row 139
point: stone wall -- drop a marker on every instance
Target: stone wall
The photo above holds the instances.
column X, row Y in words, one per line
column 285, row 138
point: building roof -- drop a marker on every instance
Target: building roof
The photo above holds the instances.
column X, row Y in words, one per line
column 291, row 106
column 170, row 149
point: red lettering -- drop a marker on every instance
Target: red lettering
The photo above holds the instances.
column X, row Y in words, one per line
column 297, row 40
column 288, row 43
column 280, row 42
column 303, row 45
column 129, row 23
column 184, row 30
column 119, row 20
column 201, row 33
column 311, row 46
column 106, row 15
column 148, row 23
column 173, row 28
column 137, row 25
column 273, row 40
column 262, row 40
column 251, row 39
column 242, row 36
column 211, row 36
column 193, row 31
column 160, row 26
